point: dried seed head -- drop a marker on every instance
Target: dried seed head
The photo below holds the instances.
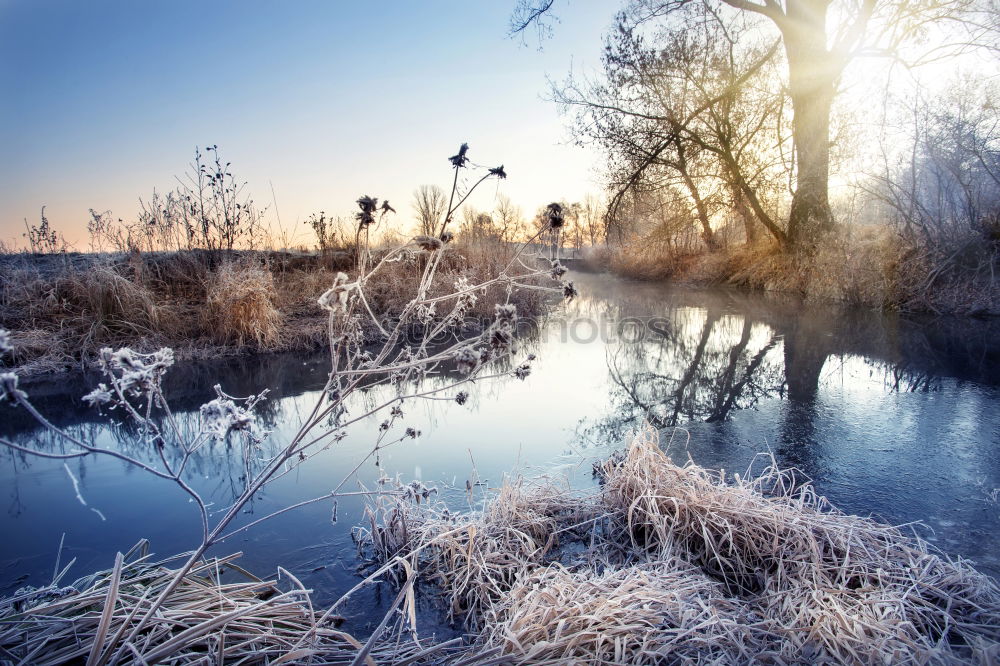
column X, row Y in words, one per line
column 99, row 396
column 558, row 270
column 220, row 416
column 447, row 237
column 498, row 172
column 425, row 313
column 554, row 214
column 506, row 313
column 501, row 338
column 428, row 243
column 466, row 360
column 569, row 291
column 335, row 298
column 522, row 371
column 136, row 373
column 460, row 159
column 368, row 206
column 8, row 387
column 461, row 397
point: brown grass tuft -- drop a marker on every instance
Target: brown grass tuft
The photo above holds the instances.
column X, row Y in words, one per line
column 241, row 305
column 111, row 305
column 630, row 615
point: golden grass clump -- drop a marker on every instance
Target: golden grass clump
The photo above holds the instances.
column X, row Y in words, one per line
column 677, row 564
column 637, row 614
column 241, row 306
column 204, row 621
column 475, row 559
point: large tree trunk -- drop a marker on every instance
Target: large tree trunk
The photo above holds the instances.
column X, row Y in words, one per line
column 812, row 78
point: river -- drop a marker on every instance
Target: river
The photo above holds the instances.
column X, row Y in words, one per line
column 889, row 415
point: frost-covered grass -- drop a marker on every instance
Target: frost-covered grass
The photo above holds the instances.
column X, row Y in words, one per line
column 60, row 310
column 671, row 564
column 867, row 266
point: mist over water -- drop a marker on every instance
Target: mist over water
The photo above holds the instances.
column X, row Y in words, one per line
column 889, row 415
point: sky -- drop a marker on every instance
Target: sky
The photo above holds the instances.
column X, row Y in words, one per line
column 103, row 101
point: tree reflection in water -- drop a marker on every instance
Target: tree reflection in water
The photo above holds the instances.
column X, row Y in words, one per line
column 714, row 352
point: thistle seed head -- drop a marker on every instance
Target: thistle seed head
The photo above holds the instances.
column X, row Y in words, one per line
column 569, row 291
column 506, row 313
column 368, row 206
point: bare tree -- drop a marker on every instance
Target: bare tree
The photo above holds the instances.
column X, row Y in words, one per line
column 431, row 204
column 508, row 220
column 820, row 38
column 592, row 219
column 695, row 115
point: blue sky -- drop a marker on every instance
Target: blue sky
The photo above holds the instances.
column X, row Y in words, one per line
column 104, row 100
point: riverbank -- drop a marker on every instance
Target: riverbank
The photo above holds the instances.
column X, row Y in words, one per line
column 660, row 563
column 62, row 308
column 870, row 267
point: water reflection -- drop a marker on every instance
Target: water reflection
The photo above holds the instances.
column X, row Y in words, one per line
column 702, row 355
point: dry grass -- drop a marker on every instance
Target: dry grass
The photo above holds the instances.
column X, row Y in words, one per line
column 867, row 266
column 205, row 621
column 629, row 615
column 62, row 310
column 845, row 586
column 240, row 305
column 674, row 564
column 112, row 305
column 474, row 559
